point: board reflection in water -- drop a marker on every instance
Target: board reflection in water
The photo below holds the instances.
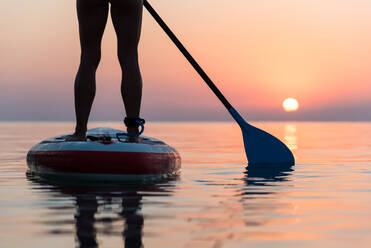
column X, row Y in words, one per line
column 103, row 205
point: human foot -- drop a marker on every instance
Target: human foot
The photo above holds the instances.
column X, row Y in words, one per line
column 134, row 139
column 133, row 135
column 75, row 137
column 133, row 132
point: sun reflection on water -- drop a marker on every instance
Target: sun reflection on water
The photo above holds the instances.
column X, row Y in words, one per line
column 290, row 136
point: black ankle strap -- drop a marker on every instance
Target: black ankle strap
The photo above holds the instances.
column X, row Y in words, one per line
column 134, row 122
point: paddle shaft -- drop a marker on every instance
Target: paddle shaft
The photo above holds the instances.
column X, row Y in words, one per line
column 188, row 56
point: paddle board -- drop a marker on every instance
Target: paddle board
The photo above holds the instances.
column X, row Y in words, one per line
column 106, row 155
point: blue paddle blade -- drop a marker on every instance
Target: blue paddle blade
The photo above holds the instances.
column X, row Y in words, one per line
column 261, row 147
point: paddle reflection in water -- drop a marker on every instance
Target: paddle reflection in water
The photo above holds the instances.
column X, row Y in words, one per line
column 262, row 175
column 105, row 205
column 262, row 194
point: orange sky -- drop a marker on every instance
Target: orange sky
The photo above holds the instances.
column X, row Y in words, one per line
column 257, row 52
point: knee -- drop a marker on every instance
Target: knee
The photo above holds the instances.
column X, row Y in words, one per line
column 90, row 58
column 128, row 57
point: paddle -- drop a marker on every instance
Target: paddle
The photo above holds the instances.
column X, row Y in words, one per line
column 260, row 146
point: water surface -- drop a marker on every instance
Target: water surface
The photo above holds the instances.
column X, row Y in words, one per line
column 217, row 201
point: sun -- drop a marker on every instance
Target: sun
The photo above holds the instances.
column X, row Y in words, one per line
column 290, row 104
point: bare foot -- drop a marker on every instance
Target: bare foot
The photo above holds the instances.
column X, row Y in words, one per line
column 75, row 137
column 134, row 139
column 134, row 135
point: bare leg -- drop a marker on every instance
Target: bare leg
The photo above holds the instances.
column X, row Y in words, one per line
column 127, row 20
column 92, row 15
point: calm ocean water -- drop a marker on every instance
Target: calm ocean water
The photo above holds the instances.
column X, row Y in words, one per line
column 218, row 201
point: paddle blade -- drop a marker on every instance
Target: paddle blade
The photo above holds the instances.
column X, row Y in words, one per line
column 262, row 147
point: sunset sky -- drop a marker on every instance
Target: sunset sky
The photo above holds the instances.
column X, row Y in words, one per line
column 258, row 52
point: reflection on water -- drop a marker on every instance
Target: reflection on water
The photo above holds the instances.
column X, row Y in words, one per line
column 102, row 204
column 218, row 201
column 259, row 197
column 106, row 205
column 263, row 174
column 290, row 136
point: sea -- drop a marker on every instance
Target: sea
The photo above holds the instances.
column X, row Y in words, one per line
column 216, row 201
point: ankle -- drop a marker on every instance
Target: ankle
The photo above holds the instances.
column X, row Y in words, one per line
column 80, row 131
column 133, row 130
column 133, row 125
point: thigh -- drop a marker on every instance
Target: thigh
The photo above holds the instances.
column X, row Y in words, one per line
column 127, row 20
column 92, row 16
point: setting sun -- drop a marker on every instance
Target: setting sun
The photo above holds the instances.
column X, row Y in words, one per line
column 290, row 105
